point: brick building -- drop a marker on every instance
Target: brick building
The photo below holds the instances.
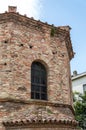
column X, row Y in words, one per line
column 35, row 80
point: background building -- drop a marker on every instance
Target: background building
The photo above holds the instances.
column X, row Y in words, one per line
column 79, row 82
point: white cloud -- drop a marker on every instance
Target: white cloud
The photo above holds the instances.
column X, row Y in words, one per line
column 30, row 7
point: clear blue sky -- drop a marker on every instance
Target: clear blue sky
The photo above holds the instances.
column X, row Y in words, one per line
column 59, row 13
column 72, row 13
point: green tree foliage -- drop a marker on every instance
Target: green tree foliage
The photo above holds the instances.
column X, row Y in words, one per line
column 80, row 109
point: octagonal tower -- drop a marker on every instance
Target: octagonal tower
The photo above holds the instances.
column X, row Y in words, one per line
column 35, row 79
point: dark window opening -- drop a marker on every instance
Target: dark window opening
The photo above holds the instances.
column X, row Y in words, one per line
column 38, row 81
column 84, row 88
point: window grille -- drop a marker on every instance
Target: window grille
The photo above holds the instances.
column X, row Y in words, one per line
column 38, row 81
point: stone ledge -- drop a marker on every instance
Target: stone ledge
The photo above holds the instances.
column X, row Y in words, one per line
column 37, row 102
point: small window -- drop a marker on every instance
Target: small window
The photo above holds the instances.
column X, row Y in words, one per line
column 84, row 88
column 38, row 81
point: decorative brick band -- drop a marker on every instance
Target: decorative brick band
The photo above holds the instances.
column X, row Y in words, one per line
column 41, row 122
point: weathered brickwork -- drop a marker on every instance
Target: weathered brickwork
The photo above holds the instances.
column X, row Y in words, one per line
column 16, row 58
column 22, row 41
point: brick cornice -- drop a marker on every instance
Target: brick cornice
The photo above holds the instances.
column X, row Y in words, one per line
column 40, row 123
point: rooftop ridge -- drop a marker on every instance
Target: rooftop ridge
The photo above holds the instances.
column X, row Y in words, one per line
column 78, row 75
column 65, row 28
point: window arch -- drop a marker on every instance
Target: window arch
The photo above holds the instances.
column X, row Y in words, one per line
column 38, row 81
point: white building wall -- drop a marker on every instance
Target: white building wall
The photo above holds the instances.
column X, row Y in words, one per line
column 77, row 84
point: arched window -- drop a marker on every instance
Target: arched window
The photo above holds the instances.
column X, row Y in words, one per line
column 38, row 81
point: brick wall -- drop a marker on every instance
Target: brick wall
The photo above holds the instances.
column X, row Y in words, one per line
column 23, row 41
column 19, row 47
